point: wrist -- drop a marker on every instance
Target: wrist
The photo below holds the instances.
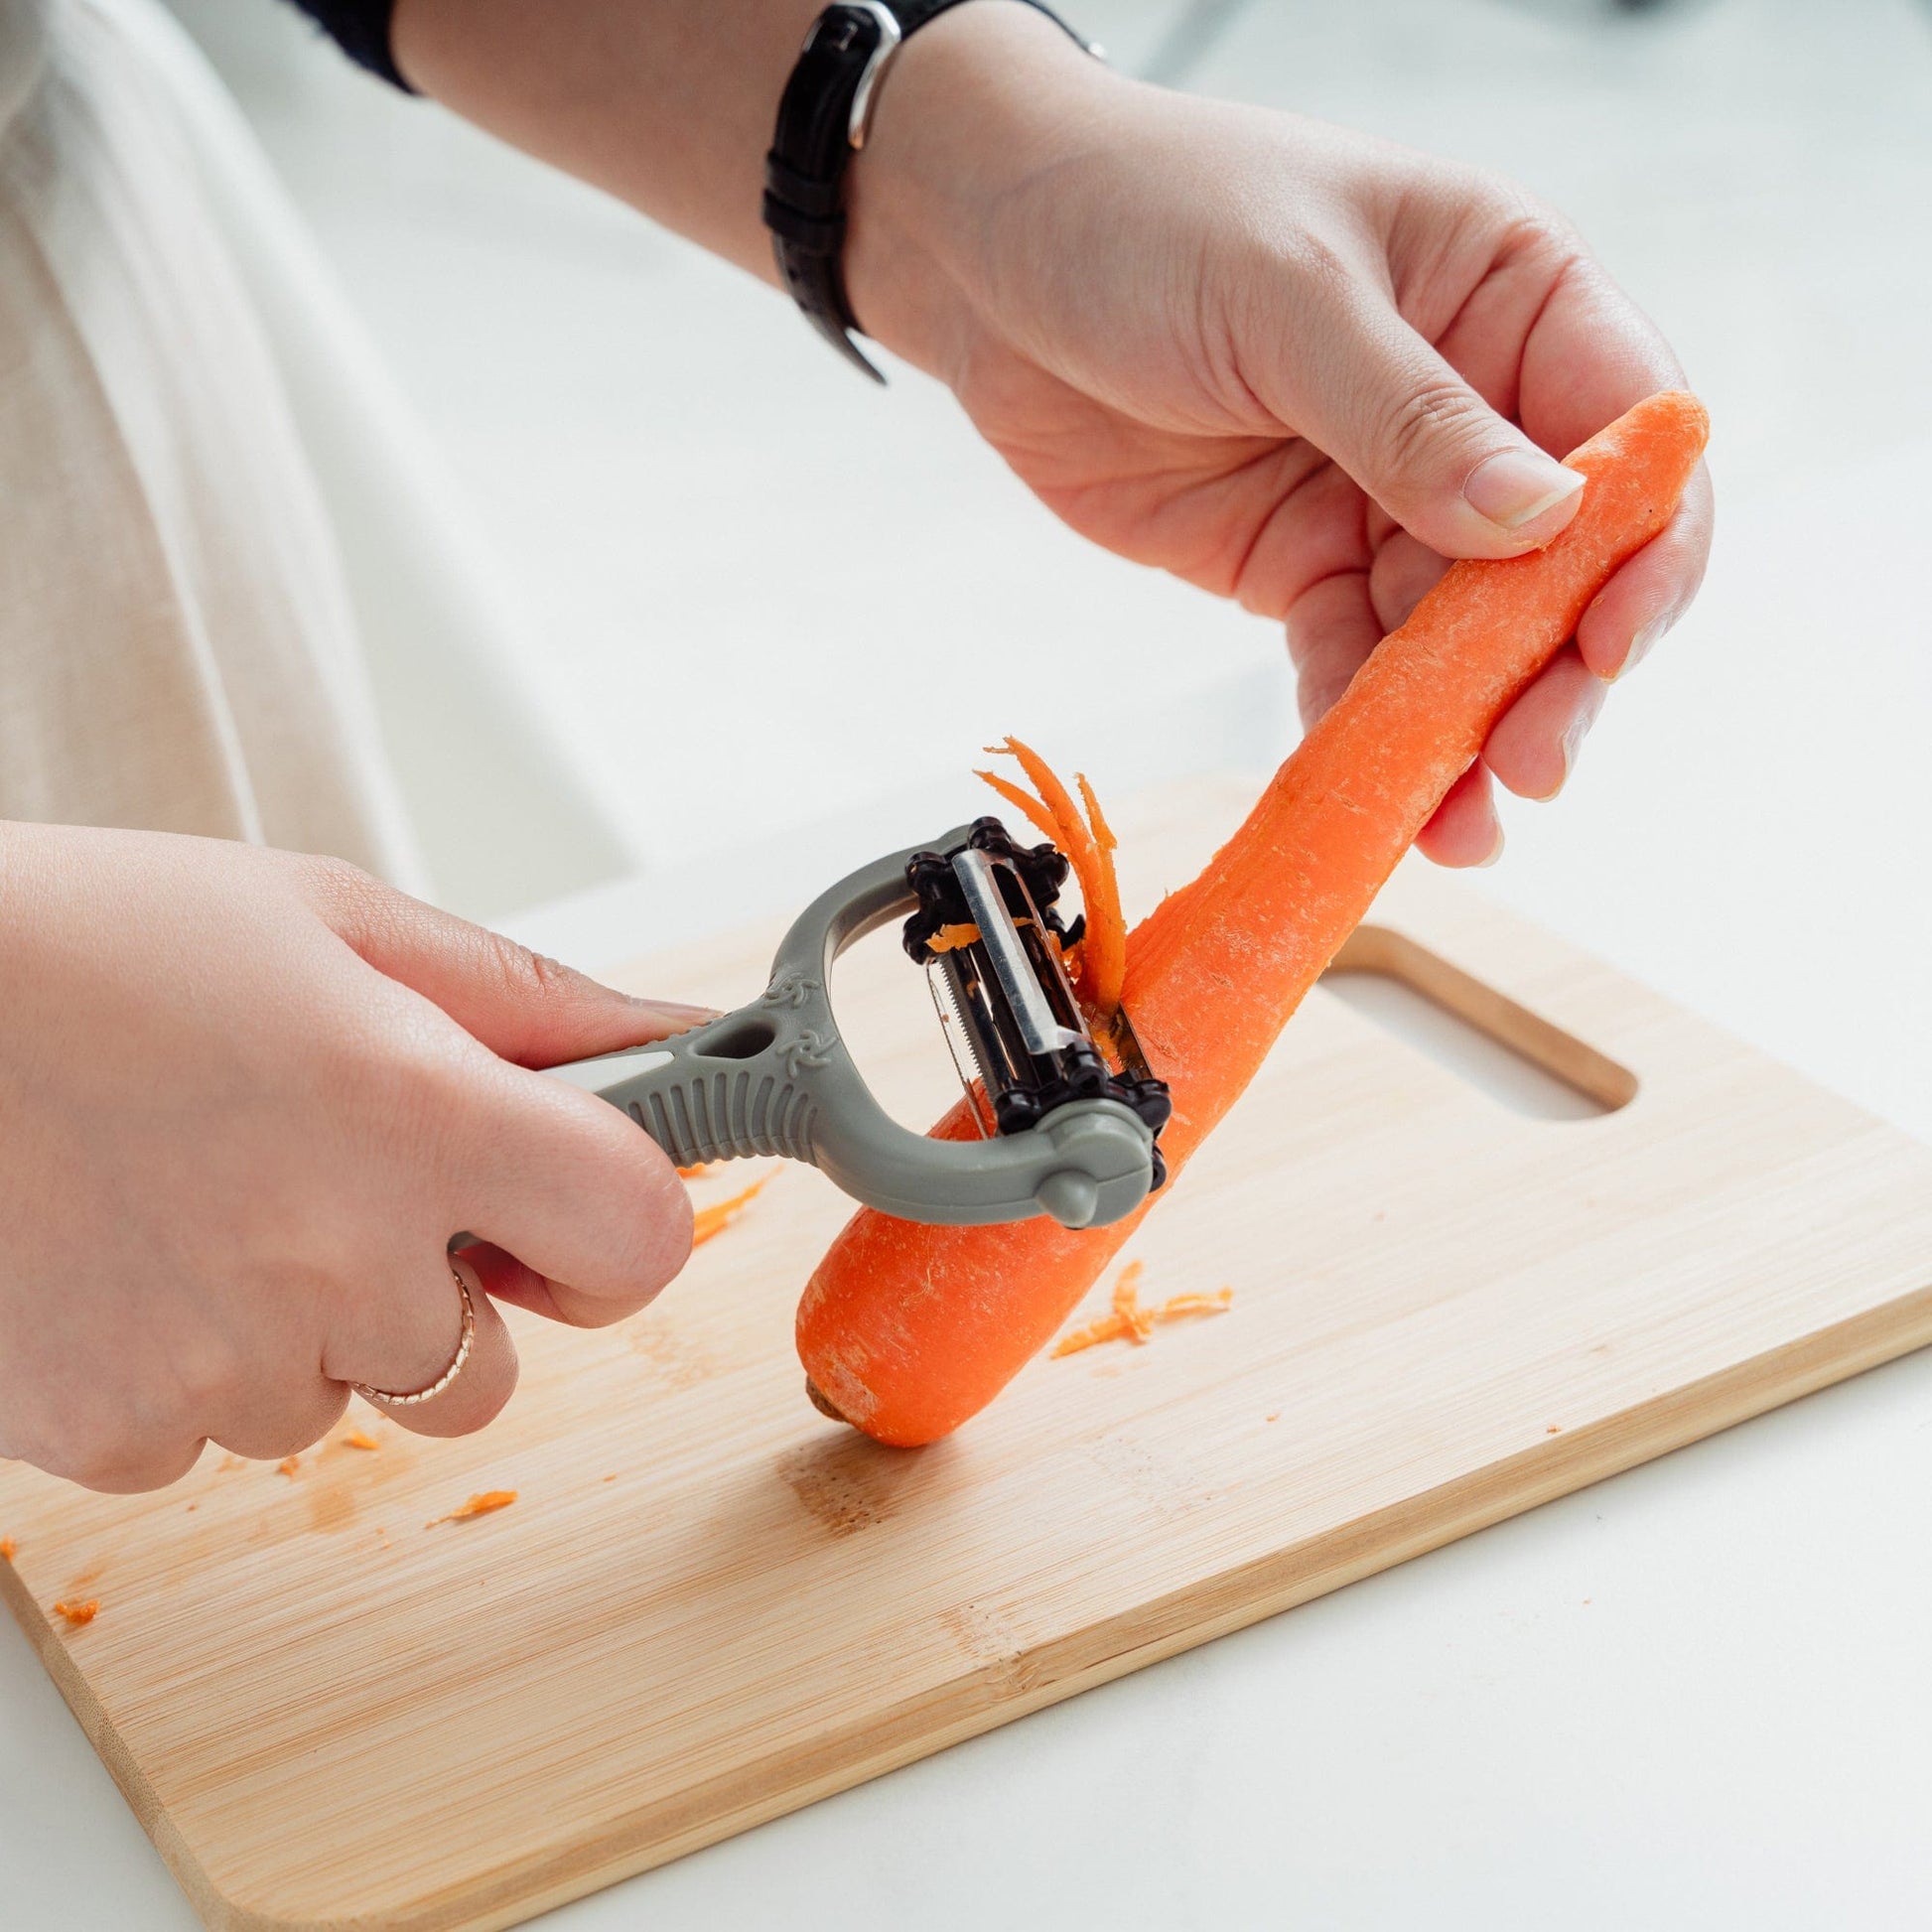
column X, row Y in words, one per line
column 986, row 96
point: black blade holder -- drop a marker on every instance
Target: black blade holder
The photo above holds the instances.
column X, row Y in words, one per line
column 990, row 934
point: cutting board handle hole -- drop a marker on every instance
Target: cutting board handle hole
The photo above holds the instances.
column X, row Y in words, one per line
column 1485, row 1037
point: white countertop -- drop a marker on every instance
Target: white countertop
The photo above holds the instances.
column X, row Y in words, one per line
column 1698, row 1695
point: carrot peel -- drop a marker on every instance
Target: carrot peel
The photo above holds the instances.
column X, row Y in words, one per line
column 1130, row 1320
column 710, row 1222
column 1088, row 844
column 485, row 1504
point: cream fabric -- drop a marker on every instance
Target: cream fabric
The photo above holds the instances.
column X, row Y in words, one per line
column 177, row 645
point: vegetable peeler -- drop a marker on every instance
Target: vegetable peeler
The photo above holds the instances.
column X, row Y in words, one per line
column 1069, row 1125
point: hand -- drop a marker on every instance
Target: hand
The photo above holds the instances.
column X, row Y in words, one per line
column 246, row 1099
column 1282, row 361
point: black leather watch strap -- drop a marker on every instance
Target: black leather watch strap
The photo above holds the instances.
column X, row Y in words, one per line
column 822, row 121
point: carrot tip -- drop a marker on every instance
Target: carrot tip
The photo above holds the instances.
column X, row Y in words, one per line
column 823, row 1402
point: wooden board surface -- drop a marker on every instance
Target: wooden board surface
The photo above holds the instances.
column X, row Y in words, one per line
column 710, row 1605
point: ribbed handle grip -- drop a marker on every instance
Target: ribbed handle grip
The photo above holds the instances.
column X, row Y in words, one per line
column 727, row 1115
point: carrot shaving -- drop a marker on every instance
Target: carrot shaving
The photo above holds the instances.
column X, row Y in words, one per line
column 1135, row 1322
column 950, row 937
column 709, row 1223
column 7, row 1548
column 1103, row 832
column 483, row 1504
column 1131, row 1321
column 78, row 1613
column 1178, row 1307
column 1089, row 844
column 360, row 1439
column 288, row 1465
column 691, row 1173
column 1023, row 800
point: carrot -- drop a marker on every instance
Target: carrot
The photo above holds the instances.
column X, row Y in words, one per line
column 8, row 1548
column 77, row 1614
column 360, row 1439
column 479, row 1506
column 907, row 1331
column 288, row 1465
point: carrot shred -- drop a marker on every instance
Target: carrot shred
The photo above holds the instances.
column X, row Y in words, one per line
column 360, row 1439
column 691, row 1173
column 1178, row 1307
column 78, row 1613
column 1129, row 1321
column 1023, row 800
column 907, row 1331
column 1089, row 845
column 950, row 937
column 288, row 1465
column 481, row 1504
column 710, row 1222
column 7, row 1549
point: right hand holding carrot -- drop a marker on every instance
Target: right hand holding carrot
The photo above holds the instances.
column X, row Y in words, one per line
column 1297, row 365
column 246, row 1099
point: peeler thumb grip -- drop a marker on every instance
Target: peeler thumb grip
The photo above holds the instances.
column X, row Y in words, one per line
column 774, row 1077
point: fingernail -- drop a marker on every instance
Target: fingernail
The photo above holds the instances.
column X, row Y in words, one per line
column 1573, row 743
column 1495, row 851
column 1641, row 644
column 1516, row 487
column 673, row 1011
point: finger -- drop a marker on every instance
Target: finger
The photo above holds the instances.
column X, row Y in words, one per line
column 154, row 1465
column 1651, row 591
column 435, row 1309
column 1403, row 573
column 505, row 1279
column 1331, row 628
column 1533, row 747
column 1590, row 355
column 576, row 1191
column 1405, row 425
column 1465, row 830
column 520, row 1005
column 277, row 1414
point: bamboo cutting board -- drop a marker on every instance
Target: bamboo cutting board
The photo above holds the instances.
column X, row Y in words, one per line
column 710, row 1605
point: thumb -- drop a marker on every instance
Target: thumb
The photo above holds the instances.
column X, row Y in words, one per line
column 1456, row 476
column 521, row 1006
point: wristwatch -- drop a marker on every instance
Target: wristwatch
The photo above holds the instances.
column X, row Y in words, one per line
column 822, row 122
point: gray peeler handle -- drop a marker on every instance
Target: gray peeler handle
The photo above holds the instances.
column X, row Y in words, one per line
column 775, row 1078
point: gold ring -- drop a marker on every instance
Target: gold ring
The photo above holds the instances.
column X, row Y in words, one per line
column 449, row 1375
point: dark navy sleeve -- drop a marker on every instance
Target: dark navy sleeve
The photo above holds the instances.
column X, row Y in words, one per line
column 360, row 27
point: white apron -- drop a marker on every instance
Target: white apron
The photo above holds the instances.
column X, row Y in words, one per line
column 176, row 646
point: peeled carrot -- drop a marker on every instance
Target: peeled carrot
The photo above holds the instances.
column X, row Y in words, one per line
column 907, row 1331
